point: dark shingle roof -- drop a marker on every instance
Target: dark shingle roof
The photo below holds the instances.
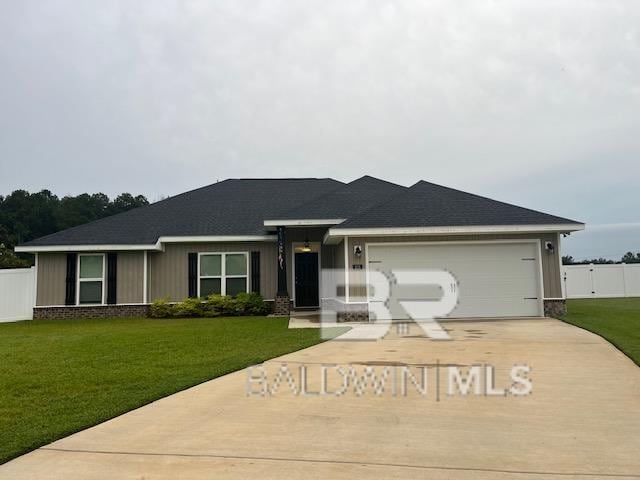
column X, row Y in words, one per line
column 429, row 205
column 239, row 207
column 345, row 201
column 231, row 207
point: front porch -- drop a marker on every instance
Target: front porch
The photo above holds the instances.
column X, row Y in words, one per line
column 312, row 274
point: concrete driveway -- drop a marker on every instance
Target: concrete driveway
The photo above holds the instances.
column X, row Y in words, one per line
column 582, row 419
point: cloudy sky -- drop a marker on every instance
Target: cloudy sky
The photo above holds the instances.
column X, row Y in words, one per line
column 535, row 103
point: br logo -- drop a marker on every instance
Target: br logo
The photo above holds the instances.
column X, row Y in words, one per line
column 386, row 303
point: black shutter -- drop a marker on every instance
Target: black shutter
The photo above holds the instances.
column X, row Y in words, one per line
column 193, row 275
column 112, row 276
column 70, row 293
column 255, row 272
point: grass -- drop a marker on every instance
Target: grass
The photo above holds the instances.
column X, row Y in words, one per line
column 61, row 376
column 615, row 319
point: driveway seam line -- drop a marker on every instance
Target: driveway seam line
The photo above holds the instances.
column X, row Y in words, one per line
column 340, row 462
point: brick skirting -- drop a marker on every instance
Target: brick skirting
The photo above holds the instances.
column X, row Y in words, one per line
column 555, row 308
column 358, row 312
column 282, row 305
column 97, row 311
column 353, row 316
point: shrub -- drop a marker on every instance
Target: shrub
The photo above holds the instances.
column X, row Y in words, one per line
column 250, row 304
column 241, row 304
column 161, row 308
column 190, row 307
column 211, row 306
column 216, row 305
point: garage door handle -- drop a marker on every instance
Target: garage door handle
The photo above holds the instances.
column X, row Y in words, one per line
column 531, row 298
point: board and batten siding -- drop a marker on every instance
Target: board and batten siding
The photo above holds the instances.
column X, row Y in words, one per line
column 169, row 272
column 130, row 277
column 551, row 274
column 52, row 275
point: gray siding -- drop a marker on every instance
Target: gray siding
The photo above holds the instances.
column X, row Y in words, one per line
column 130, row 277
column 550, row 261
column 52, row 275
column 168, row 270
column 339, row 255
column 168, row 273
column 328, row 256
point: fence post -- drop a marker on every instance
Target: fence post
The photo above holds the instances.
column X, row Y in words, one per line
column 624, row 279
column 593, row 286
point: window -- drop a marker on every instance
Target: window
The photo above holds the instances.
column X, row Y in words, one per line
column 90, row 279
column 222, row 273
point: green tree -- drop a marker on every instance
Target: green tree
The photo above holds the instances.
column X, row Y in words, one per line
column 8, row 259
column 629, row 257
column 25, row 216
column 126, row 201
column 81, row 209
column 567, row 260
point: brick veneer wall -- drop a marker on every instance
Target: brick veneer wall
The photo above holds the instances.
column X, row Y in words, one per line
column 353, row 316
column 282, row 305
column 555, row 308
column 97, row 311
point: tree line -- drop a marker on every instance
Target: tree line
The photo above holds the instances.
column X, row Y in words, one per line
column 628, row 257
column 25, row 216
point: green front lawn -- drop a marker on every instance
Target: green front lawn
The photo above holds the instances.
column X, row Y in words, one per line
column 61, row 376
column 616, row 319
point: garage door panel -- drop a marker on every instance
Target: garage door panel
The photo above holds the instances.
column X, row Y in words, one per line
column 499, row 279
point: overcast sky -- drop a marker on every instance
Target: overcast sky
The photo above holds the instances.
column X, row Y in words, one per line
column 535, row 103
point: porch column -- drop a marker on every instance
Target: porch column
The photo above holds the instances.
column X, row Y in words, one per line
column 282, row 300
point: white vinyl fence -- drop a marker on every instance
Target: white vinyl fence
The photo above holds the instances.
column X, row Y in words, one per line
column 600, row 281
column 17, row 294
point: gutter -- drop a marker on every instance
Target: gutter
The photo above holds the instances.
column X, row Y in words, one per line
column 158, row 246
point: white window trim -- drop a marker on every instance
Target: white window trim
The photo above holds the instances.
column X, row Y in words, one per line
column 79, row 280
column 223, row 267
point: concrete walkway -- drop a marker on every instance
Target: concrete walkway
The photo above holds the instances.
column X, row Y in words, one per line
column 581, row 421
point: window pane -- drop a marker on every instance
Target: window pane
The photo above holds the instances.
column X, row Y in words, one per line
column 209, row 286
column 90, row 292
column 236, row 286
column 91, row 266
column 210, row 265
column 236, row 264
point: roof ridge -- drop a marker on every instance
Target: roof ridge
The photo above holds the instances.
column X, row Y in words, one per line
column 377, row 179
column 341, row 188
column 285, row 178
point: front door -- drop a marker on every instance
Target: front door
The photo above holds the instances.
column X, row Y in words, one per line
column 306, row 281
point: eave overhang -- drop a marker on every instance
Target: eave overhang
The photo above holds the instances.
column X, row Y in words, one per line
column 335, row 235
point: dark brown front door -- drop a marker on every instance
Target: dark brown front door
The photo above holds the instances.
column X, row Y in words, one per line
column 306, row 279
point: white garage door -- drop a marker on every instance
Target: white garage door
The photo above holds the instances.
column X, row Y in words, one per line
column 494, row 279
